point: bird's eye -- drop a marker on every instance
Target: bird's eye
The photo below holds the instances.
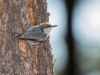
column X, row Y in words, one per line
column 48, row 26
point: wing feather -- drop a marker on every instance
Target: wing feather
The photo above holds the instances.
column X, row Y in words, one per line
column 34, row 33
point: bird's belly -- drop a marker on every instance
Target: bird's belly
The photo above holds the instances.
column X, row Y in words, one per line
column 32, row 42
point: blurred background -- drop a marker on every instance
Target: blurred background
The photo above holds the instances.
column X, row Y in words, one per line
column 76, row 41
column 58, row 16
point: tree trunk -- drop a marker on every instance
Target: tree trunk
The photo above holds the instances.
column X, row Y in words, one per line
column 17, row 57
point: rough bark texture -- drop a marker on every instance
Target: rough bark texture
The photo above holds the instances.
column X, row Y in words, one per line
column 16, row 56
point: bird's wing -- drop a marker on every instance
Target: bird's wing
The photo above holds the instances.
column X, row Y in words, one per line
column 35, row 33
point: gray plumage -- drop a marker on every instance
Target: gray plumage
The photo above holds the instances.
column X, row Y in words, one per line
column 35, row 34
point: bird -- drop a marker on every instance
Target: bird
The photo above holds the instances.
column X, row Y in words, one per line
column 35, row 34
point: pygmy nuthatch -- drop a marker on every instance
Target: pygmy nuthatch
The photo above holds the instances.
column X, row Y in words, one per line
column 35, row 34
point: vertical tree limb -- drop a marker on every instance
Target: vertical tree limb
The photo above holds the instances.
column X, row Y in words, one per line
column 16, row 56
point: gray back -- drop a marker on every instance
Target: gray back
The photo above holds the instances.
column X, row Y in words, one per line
column 35, row 33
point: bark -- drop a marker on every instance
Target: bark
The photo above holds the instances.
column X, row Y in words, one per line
column 17, row 57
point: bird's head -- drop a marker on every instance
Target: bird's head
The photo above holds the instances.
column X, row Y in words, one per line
column 47, row 27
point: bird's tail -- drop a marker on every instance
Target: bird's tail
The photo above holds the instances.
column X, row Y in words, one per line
column 15, row 35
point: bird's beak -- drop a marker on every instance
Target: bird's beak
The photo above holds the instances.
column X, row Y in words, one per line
column 54, row 25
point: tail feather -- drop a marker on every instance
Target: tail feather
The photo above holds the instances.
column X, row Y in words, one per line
column 15, row 35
